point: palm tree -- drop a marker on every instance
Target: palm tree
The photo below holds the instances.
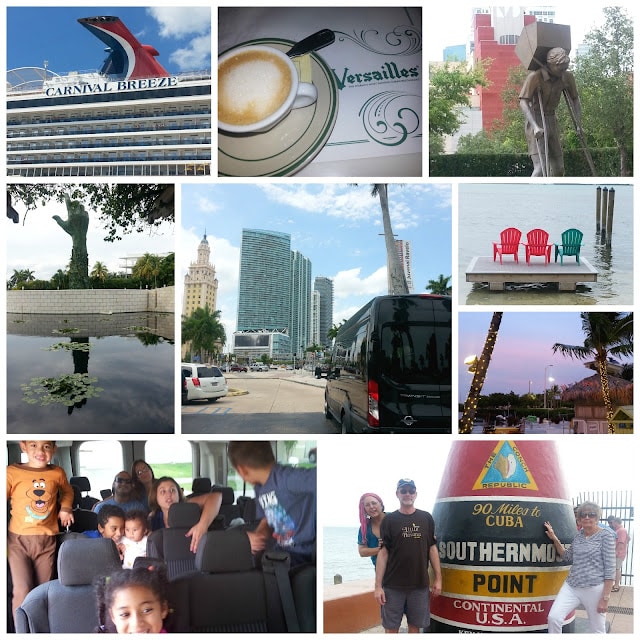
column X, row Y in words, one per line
column 396, row 280
column 480, row 373
column 204, row 330
column 440, row 286
column 333, row 332
column 147, row 267
column 606, row 334
column 20, row 276
column 60, row 279
column 100, row 271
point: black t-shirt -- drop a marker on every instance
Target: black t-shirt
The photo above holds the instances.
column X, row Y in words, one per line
column 407, row 539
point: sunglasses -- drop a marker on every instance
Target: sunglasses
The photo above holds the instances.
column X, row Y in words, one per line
column 407, row 490
column 123, row 481
column 588, row 514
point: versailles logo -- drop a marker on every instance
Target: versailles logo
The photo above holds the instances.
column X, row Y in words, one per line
column 387, row 72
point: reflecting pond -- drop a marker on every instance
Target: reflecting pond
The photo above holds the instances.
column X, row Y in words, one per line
column 111, row 373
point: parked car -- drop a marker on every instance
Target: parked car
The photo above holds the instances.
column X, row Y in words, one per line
column 259, row 366
column 238, row 368
column 204, row 382
column 185, row 391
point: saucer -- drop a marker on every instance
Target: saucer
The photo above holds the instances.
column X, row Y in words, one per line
column 292, row 143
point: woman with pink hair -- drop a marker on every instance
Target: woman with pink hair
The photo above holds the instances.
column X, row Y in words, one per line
column 371, row 511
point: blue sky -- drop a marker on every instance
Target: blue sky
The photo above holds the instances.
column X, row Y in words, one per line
column 335, row 225
column 34, row 34
column 522, row 350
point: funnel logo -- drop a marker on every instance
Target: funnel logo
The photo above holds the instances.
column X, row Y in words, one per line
column 505, row 469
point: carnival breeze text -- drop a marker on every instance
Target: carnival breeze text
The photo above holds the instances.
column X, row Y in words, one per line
column 107, row 87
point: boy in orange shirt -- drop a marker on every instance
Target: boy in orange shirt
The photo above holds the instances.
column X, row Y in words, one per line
column 33, row 488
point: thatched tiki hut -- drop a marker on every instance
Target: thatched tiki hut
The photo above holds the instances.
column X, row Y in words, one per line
column 590, row 410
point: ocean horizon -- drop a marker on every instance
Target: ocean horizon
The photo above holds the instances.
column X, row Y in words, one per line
column 341, row 557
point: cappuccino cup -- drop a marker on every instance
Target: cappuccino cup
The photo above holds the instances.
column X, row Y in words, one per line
column 257, row 87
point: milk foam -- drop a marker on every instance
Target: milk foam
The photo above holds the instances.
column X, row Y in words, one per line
column 251, row 86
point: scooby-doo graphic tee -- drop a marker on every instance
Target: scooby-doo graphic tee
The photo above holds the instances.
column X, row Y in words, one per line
column 34, row 499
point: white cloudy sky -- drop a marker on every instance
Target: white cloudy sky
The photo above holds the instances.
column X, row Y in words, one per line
column 39, row 244
column 441, row 33
column 588, row 463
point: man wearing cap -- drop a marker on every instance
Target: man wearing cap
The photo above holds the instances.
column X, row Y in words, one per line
column 402, row 570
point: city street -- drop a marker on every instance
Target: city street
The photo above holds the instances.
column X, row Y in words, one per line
column 267, row 402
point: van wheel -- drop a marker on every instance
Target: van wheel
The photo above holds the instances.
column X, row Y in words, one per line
column 346, row 427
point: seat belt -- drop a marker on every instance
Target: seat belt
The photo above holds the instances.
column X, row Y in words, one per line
column 277, row 563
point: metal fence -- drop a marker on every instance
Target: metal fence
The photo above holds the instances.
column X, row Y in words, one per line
column 619, row 504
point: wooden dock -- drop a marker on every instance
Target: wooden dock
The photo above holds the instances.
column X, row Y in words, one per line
column 567, row 275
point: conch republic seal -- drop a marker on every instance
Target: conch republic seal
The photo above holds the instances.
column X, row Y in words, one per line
column 500, row 571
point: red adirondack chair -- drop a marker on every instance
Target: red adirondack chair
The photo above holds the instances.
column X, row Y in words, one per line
column 508, row 245
column 538, row 245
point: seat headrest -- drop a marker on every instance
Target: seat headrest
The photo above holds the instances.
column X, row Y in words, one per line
column 228, row 496
column 201, row 485
column 77, row 496
column 82, row 482
column 224, row 552
column 183, row 514
column 81, row 559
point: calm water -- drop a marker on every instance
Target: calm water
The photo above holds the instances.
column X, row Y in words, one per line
column 133, row 368
column 486, row 209
column 340, row 549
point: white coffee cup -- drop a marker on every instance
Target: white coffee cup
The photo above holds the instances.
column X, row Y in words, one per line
column 257, row 87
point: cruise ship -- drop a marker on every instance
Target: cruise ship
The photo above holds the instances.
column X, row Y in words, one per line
column 131, row 118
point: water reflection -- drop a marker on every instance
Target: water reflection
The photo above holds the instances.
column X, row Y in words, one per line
column 536, row 293
column 120, row 375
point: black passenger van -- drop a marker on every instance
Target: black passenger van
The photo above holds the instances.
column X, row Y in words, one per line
column 391, row 367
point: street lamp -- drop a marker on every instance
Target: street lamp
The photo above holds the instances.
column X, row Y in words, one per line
column 472, row 363
column 545, row 384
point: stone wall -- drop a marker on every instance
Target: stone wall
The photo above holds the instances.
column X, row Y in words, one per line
column 89, row 301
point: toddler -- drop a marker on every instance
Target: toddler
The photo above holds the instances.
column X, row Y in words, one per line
column 134, row 543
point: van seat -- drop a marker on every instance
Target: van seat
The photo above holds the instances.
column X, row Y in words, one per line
column 171, row 545
column 68, row 604
column 225, row 567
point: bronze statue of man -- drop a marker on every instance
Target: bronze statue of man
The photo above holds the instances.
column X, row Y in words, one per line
column 76, row 226
column 539, row 99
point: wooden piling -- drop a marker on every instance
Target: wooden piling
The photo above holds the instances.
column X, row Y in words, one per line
column 612, row 197
column 598, row 201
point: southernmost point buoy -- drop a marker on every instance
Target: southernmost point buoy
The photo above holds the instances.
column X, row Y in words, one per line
column 500, row 571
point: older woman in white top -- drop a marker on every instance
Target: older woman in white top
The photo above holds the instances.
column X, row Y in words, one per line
column 592, row 556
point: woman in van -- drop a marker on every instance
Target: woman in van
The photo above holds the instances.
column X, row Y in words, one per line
column 166, row 491
column 142, row 478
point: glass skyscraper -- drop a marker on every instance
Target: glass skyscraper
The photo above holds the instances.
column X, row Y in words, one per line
column 264, row 292
column 300, row 325
column 324, row 286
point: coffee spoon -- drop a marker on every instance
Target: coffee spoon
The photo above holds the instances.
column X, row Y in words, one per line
column 313, row 42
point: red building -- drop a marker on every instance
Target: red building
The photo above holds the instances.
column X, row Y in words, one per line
column 495, row 37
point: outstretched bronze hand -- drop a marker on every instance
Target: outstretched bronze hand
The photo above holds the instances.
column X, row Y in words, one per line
column 77, row 221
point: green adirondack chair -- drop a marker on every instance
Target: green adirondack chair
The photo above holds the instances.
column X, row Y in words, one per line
column 570, row 246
